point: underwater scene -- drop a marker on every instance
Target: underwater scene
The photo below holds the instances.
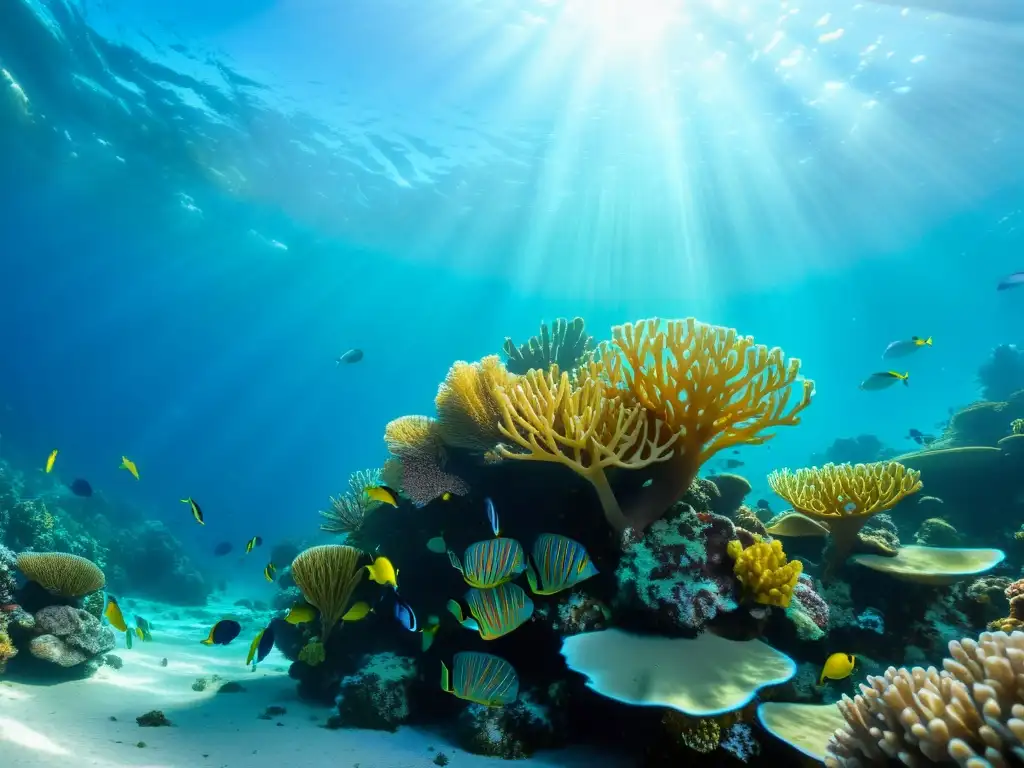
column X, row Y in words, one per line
column 399, row 383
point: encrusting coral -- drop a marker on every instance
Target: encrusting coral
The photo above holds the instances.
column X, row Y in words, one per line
column 62, row 574
column 327, row 576
column 971, row 712
column 767, row 576
column 565, row 346
column 844, row 496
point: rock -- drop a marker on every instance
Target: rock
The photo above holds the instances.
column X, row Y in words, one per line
column 378, row 696
column 511, row 732
column 69, row 636
column 153, row 719
column 231, row 687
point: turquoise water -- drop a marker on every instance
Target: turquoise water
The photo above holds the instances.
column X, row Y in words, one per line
column 205, row 204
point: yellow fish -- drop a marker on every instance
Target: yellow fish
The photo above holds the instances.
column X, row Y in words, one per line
column 197, row 511
column 382, row 494
column 358, row 611
column 446, row 496
column 140, row 634
column 269, row 571
column 837, row 666
column 128, row 464
column 252, row 543
column 300, row 613
column 114, row 616
column 383, row 572
column 50, row 459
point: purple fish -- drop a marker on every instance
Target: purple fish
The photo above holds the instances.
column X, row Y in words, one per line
column 1011, row 281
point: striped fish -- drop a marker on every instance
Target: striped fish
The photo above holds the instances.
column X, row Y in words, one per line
column 496, row 611
column 482, row 679
column 557, row 563
column 490, row 563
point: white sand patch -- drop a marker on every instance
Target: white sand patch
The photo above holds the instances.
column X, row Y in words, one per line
column 92, row 722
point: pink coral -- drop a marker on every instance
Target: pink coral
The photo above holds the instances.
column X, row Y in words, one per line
column 423, row 479
column 811, row 603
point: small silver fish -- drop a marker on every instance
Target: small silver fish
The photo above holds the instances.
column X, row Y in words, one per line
column 352, row 356
column 884, row 380
column 906, row 347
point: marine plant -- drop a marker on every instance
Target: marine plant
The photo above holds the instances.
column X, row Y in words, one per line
column 845, row 496
column 63, row 574
column 327, row 575
column 969, row 712
column 565, row 345
column 349, row 510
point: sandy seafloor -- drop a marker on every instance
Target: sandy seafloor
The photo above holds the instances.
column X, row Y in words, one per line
column 92, row 722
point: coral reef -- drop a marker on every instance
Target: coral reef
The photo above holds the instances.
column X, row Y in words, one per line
column 863, row 449
column 151, row 563
column 70, row 637
column 511, row 732
column 566, row 346
column 349, row 509
column 62, row 574
column 378, row 695
column 679, row 575
column 936, row 532
column 808, row 610
column 1003, row 373
column 968, row 713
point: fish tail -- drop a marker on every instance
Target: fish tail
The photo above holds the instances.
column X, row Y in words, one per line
column 906, row 379
column 928, row 341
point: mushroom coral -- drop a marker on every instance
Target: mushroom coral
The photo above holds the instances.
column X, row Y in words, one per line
column 844, row 496
column 670, row 396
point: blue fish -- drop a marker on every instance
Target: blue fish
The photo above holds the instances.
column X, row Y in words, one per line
column 223, row 632
column 1011, row 281
column 81, row 488
column 352, row 356
column 261, row 646
column 405, row 615
column 492, row 517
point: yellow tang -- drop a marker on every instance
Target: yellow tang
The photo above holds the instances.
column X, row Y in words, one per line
column 357, row 612
column 128, row 464
column 114, row 616
column 482, row 679
column 383, row 494
column 837, row 666
column 383, row 572
column 50, row 459
column 300, row 613
column 269, row 571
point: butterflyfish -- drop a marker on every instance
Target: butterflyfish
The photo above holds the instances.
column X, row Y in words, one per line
column 252, row 543
column 357, row 612
column 50, row 459
column 906, row 347
column 223, row 632
column 837, row 666
column 495, row 612
column 884, row 379
column 557, row 563
column 145, row 627
column 197, row 511
column 261, row 645
column 481, row 678
column 300, row 613
column 383, row 494
column 383, row 572
column 128, row 464
column 492, row 516
column 269, row 571
column 490, row 563
column 114, row 615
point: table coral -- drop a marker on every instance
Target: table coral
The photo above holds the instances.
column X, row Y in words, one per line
column 680, row 570
column 767, row 575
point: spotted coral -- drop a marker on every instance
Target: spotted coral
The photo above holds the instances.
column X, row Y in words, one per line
column 844, row 496
column 767, row 576
column 970, row 712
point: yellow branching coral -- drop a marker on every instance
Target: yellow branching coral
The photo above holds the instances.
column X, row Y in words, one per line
column 467, row 409
column 712, row 388
column 767, row 576
column 844, row 496
column 7, row 650
column 553, row 420
column 61, row 573
column 412, row 434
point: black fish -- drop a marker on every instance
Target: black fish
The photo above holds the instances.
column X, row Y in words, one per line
column 222, row 549
column 223, row 632
column 81, row 487
column 762, row 504
column 920, row 438
column 352, row 356
column 733, row 463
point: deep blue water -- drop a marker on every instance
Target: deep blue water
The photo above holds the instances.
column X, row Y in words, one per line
column 205, row 203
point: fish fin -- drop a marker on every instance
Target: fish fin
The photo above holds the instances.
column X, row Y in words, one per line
column 454, row 560
column 821, row 680
column 445, row 679
column 207, row 641
column 531, row 576
column 906, row 379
